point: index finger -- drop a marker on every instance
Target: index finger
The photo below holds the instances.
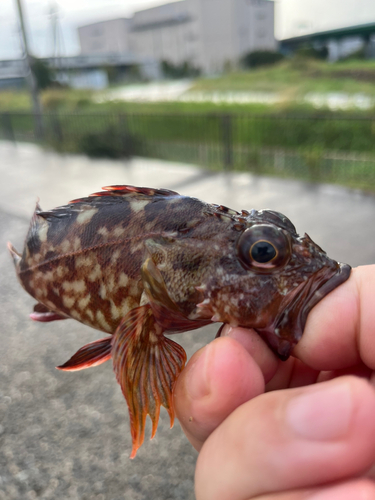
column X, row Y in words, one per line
column 340, row 330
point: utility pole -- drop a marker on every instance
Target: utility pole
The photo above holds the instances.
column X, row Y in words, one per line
column 30, row 78
column 57, row 35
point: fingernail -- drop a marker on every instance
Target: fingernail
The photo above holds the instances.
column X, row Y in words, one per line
column 322, row 414
column 225, row 331
column 196, row 383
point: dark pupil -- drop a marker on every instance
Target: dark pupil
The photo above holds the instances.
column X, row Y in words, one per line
column 263, row 252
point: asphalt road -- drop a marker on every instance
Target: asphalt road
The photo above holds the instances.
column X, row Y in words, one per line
column 66, row 435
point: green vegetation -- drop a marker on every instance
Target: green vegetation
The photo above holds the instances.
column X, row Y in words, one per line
column 316, row 148
column 294, row 78
column 290, row 79
column 261, row 58
column 43, row 74
column 14, row 101
column 111, row 142
column 289, row 139
column 184, row 70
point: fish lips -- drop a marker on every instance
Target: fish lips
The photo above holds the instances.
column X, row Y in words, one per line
column 287, row 328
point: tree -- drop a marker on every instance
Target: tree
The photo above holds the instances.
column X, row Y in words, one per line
column 43, row 73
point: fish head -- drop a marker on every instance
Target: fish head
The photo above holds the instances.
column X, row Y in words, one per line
column 272, row 280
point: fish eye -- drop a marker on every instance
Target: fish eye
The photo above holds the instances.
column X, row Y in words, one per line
column 262, row 252
column 263, row 247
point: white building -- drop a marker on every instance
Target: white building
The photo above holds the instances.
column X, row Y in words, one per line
column 229, row 29
column 209, row 34
column 164, row 33
column 340, row 42
column 107, row 37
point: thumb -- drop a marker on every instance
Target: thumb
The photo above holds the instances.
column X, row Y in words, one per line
column 218, row 378
column 290, row 439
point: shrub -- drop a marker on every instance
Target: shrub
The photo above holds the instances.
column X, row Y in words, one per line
column 261, row 58
column 53, row 99
column 359, row 54
column 308, row 51
column 57, row 98
column 109, row 143
column 43, row 74
column 184, row 70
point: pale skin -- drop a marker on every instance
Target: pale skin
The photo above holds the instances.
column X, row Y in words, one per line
column 303, row 429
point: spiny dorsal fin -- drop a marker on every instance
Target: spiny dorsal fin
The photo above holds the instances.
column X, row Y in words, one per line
column 37, row 224
column 57, row 213
column 111, row 194
column 16, row 256
column 143, row 190
column 121, row 191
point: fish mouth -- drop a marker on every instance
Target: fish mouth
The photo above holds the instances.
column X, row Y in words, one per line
column 287, row 328
column 341, row 275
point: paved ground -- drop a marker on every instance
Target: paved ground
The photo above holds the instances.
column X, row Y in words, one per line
column 66, row 435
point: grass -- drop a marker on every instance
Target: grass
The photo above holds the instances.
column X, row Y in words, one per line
column 288, row 140
column 317, row 149
column 290, row 79
column 297, row 77
column 14, row 100
column 51, row 99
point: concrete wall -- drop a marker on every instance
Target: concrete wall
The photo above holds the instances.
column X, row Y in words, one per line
column 107, row 37
column 228, row 29
column 162, row 32
column 215, row 33
column 210, row 34
column 255, row 22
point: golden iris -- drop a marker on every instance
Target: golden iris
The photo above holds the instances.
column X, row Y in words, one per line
column 264, row 247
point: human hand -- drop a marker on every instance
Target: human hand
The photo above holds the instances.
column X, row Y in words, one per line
column 288, row 430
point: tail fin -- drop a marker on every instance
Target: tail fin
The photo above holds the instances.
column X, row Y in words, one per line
column 146, row 365
column 16, row 256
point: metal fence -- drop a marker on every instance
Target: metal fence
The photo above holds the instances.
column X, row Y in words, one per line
column 319, row 148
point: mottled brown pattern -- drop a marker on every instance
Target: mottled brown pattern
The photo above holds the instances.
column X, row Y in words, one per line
column 101, row 241
column 138, row 262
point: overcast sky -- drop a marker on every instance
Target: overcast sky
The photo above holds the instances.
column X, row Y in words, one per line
column 293, row 17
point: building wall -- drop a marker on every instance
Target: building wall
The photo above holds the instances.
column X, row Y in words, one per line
column 210, row 34
column 107, row 37
column 163, row 32
column 255, row 26
column 228, row 29
column 215, row 33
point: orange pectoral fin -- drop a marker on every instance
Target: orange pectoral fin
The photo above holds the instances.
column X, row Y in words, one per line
column 92, row 354
column 146, row 365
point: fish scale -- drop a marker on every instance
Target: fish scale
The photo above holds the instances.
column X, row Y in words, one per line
column 140, row 262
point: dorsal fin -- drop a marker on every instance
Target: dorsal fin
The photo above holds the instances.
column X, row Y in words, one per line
column 110, row 195
column 144, row 190
column 38, row 224
column 123, row 190
column 58, row 213
column 16, row 256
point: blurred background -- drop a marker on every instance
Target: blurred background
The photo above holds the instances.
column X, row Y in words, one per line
column 282, row 88
column 246, row 103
